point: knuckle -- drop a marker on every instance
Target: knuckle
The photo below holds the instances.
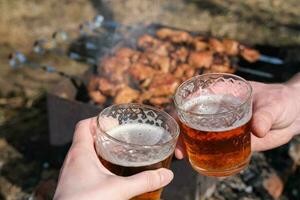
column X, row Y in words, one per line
column 154, row 180
column 120, row 183
column 79, row 124
column 85, row 122
column 72, row 152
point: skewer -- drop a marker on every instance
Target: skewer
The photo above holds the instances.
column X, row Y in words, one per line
column 255, row 72
column 270, row 59
column 262, row 58
column 94, row 28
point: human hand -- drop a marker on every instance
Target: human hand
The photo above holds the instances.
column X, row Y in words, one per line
column 276, row 114
column 84, row 177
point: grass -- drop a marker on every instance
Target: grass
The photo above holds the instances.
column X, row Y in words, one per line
column 23, row 21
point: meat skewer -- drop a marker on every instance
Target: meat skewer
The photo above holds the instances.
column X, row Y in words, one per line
column 255, row 72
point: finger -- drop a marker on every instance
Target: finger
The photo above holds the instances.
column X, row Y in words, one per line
column 107, row 123
column 272, row 140
column 83, row 135
column 261, row 117
column 146, row 181
column 262, row 120
column 180, row 151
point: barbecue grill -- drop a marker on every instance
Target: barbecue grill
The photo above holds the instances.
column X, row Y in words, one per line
column 68, row 101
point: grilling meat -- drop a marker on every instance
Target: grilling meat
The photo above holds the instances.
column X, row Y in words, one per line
column 199, row 43
column 106, row 87
column 156, row 61
column 94, row 92
column 162, row 85
column 174, row 35
column 217, row 68
column 147, row 42
column 126, row 95
column 216, row 45
column 163, row 48
column 93, row 84
column 115, row 68
column 152, row 72
column 162, row 62
column 97, row 96
column 140, row 71
column 250, row 55
column 199, row 59
column 184, row 71
column 221, row 59
column 180, row 55
column 125, row 53
column 231, row 47
column 164, row 79
column 158, row 101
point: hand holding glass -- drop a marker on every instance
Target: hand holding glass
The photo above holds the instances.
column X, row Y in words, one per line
column 133, row 138
column 215, row 112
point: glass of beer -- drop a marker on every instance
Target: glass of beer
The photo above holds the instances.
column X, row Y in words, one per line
column 215, row 112
column 132, row 138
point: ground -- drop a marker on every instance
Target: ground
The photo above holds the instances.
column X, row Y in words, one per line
column 28, row 164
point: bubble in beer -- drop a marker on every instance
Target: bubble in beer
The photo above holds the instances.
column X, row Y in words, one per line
column 138, row 134
column 227, row 105
column 142, row 134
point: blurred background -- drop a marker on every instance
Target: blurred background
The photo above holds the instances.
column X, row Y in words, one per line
column 29, row 165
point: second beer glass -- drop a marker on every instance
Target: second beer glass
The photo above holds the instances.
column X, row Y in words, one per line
column 215, row 112
column 132, row 138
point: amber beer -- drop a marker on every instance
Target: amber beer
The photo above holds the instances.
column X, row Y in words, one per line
column 136, row 133
column 215, row 122
column 135, row 145
column 132, row 170
column 218, row 151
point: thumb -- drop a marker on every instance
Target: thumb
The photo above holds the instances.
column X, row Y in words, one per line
column 263, row 119
column 146, row 181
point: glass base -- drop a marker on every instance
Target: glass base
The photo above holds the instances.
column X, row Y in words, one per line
column 221, row 173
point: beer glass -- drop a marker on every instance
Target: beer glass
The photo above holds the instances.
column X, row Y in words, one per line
column 132, row 138
column 215, row 112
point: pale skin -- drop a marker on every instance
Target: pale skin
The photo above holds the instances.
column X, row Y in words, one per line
column 84, row 177
column 276, row 119
column 276, row 115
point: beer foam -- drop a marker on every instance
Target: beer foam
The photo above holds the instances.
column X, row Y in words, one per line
column 141, row 134
column 215, row 104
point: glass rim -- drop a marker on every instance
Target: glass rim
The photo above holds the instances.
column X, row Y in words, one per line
column 164, row 113
column 249, row 96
